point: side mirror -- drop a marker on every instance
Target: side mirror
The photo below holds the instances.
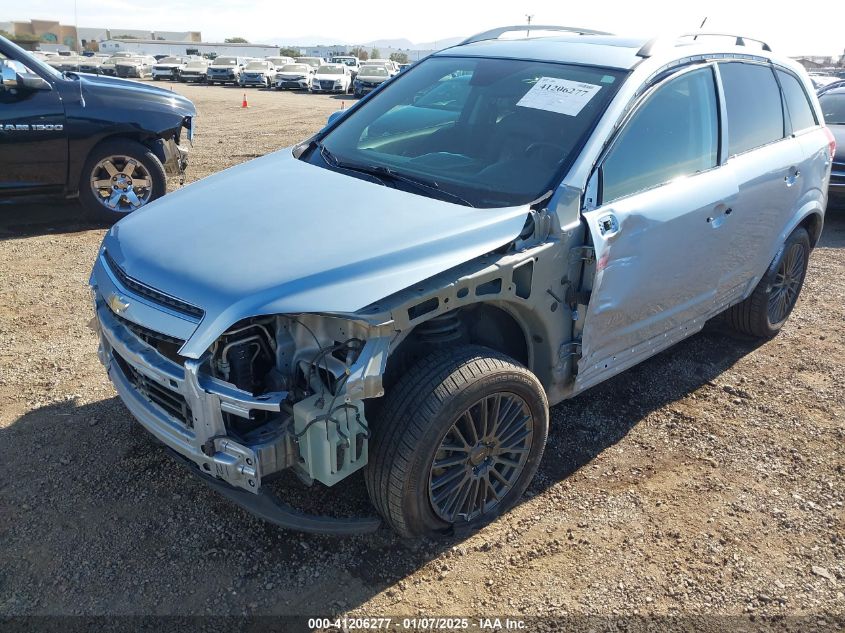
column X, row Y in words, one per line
column 8, row 78
column 32, row 81
column 334, row 116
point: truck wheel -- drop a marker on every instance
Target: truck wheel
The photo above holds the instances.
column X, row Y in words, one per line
column 119, row 177
column 764, row 312
column 457, row 441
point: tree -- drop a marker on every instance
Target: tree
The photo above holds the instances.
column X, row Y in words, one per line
column 360, row 53
column 399, row 58
column 375, row 53
column 235, row 40
column 289, row 52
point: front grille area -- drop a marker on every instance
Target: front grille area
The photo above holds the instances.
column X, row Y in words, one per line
column 171, row 402
column 326, row 85
column 153, row 295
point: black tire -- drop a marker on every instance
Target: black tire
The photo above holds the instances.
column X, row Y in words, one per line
column 761, row 314
column 156, row 78
column 418, row 414
column 93, row 208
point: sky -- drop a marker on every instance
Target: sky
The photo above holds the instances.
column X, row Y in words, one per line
column 795, row 28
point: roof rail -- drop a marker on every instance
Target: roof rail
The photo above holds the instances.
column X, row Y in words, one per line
column 493, row 34
column 648, row 48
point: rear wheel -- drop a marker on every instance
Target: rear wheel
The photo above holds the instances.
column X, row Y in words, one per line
column 120, row 176
column 458, row 440
column 764, row 313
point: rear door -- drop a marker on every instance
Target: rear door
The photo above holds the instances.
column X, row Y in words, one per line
column 767, row 161
column 33, row 141
column 657, row 231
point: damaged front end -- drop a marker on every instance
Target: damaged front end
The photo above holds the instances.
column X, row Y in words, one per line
column 272, row 393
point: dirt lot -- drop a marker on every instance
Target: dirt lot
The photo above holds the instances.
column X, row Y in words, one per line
column 709, row 480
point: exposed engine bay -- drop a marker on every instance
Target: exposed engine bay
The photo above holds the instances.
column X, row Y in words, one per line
column 319, row 430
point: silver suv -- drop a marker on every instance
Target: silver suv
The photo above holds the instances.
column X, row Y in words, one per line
column 497, row 229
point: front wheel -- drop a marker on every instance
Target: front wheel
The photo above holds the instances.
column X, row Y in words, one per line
column 120, row 176
column 458, row 440
column 764, row 313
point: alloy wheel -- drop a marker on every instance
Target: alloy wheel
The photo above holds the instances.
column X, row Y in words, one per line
column 481, row 457
column 787, row 283
column 121, row 183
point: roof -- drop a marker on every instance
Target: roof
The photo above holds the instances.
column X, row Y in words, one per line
column 599, row 50
column 610, row 51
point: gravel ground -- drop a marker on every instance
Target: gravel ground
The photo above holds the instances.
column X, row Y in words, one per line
column 708, row 480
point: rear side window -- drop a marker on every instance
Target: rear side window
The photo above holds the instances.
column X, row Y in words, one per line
column 674, row 134
column 755, row 112
column 800, row 112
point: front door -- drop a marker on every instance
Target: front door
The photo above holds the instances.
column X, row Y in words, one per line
column 33, row 141
column 658, row 229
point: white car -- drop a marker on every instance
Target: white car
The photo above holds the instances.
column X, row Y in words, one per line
column 278, row 62
column 294, row 77
column 195, row 71
column 258, row 73
column 391, row 66
column 332, row 78
column 170, row 67
column 314, row 62
column 226, row 70
column 108, row 67
column 140, row 66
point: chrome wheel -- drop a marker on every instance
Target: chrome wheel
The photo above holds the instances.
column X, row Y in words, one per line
column 121, row 183
column 481, row 457
column 787, row 283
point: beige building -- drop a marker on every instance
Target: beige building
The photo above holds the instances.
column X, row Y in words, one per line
column 63, row 36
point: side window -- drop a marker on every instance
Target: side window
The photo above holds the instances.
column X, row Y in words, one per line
column 674, row 133
column 755, row 111
column 800, row 112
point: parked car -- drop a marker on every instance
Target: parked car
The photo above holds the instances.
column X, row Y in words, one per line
column 92, row 64
column 258, row 73
column 391, row 66
column 278, row 62
column 351, row 62
column 294, row 77
column 833, row 109
column 66, row 63
column 109, row 142
column 413, row 303
column 821, row 80
column 404, row 67
column 138, row 67
column 108, row 66
column 839, row 83
column 332, row 78
column 226, row 70
column 314, row 62
column 170, row 67
column 195, row 71
column 369, row 78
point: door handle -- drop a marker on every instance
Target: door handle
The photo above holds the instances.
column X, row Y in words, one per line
column 715, row 221
column 792, row 176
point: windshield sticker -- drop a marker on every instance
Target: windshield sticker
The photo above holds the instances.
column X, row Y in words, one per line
column 559, row 95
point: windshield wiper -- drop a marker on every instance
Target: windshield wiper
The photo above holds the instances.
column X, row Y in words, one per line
column 379, row 172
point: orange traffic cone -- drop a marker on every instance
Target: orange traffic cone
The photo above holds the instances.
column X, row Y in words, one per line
column 244, row 104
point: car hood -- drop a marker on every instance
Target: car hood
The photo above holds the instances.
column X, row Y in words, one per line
column 113, row 91
column 372, row 78
column 328, row 77
column 277, row 235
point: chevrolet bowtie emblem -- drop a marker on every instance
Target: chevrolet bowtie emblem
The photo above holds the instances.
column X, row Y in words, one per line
column 117, row 304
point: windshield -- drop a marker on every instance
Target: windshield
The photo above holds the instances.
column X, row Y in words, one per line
column 349, row 61
column 373, row 71
column 329, row 70
column 225, row 61
column 833, row 108
column 311, row 61
column 170, row 60
column 257, row 66
column 196, row 65
column 295, row 68
column 492, row 132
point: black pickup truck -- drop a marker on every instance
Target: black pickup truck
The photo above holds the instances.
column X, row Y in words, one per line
column 111, row 142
